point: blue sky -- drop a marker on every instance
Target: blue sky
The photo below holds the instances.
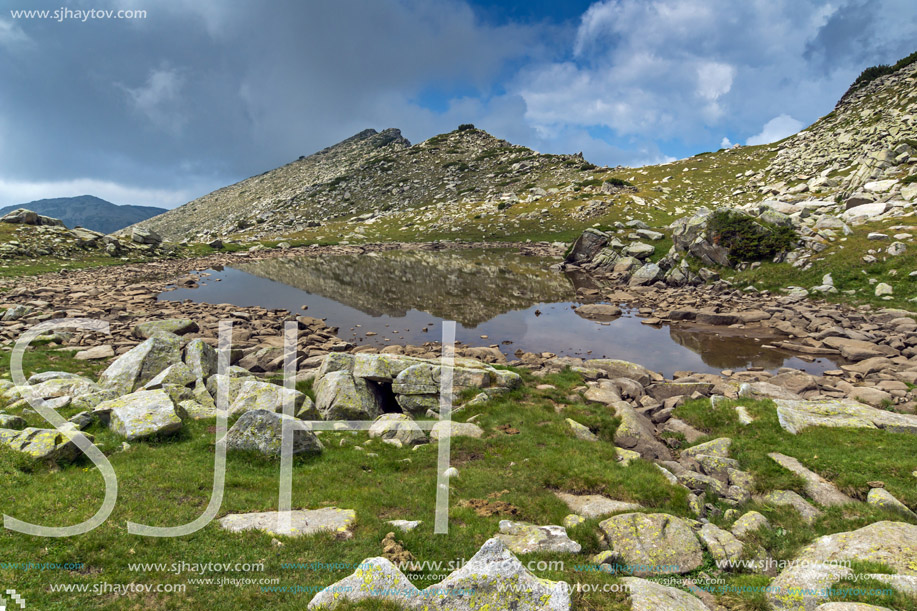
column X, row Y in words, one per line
column 200, row 94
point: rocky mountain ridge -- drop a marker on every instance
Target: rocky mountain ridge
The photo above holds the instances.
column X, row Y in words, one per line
column 369, row 174
column 89, row 212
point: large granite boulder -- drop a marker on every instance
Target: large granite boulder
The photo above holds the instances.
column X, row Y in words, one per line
column 42, row 444
column 375, row 579
column 201, row 358
column 261, row 430
column 796, row 415
column 801, row 586
column 141, row 414
column 525, row 538
column 141, row 364
column 587, row 246
column 256, row 395
column 653, row 543
column 648, row 595
column 495, row 579
column 341, row 396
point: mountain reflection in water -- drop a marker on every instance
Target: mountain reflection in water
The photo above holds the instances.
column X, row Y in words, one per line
column 497, row 297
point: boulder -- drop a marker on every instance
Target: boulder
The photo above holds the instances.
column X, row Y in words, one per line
column 175, row 326
column 178, row 374
column 795, row 416
column 256, row 395
column 341, row 396
column 260, row 430
column 587, row 246
column 201, row 358
column 722, row 545
column 398, row 427
column 141, row 364
column 880, row 497
column 375, row 579
column 581, row 431
column 648, row 274
column 455, row 429
column 598, row 311
column 142, row 235
column 495, row 579
column 142, row 414
column 653, row 543
column 614, row 368
column 817, row 566
column 41, row 444
column 635, row 432
column 594, row 505
column 648, row 595
column 788, row 498
column 525, row 538
column 748, row 523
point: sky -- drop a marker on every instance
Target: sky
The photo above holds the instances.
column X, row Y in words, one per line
column 161, row 108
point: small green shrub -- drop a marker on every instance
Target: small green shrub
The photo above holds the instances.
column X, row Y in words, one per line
column 618, row 182
column 872, row 73
column 746, row 239
column 464, row 127
column 910, row 179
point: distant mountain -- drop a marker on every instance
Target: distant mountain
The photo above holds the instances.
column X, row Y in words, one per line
column 90, row 212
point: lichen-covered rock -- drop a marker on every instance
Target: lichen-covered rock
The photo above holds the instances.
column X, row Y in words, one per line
column 635, row 432
column 375, row 579
column 648, row 595
column 495, row 579
column 455, row 429
column 788, row 498
column 201, row 358
column 748, row 523
column 260, row 430
column 302, row 522
column 714, row 447
column 615, row 368
column 817, row 488
column 175, row 326
column 8, row 421
column 178, row 374
column 336, row 361
column 525, row 538
column 881, row 497
column 141, row 364
column 381, row 367
column 724, row 546
column 581, row 431
column 653, row 543
column 399, row 427
column 42, row 444
column 142, row 414
column 594, row 505
column 848, row 606
column 817, row 567
column 233, row 384
column 795, row 416
column 256, row 395
column 192, row 410
column 340, row 396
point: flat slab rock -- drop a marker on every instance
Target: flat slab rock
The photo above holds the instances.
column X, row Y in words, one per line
column 594, row 505
column 303, row 522
column 817, row 488
column 795, row 416
column 653, row 543
column 525, row 538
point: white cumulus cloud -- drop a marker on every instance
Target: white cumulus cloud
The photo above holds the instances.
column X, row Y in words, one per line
column 776, row 129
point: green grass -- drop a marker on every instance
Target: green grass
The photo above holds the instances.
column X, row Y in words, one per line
column 168, row 481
